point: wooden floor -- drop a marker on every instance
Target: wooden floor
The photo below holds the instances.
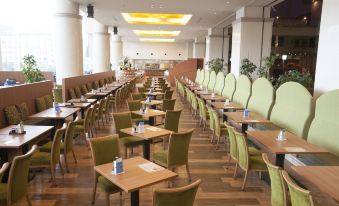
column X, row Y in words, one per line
column 217, row 188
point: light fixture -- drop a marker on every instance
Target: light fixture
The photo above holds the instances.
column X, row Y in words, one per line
column 156, row 40
column 166, row 73
column 152, row 18
column 156, row 33
column 277, row 17
column 305, row 18
column 284, row 57
column 90, row 11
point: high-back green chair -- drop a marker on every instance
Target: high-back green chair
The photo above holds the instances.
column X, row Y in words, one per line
column 135, row 106
column 278, row 187
column 204, row 116
column 219, row 129
column 16, row 187
column 168, row 104
column 168, row 94
column 211, row 122
column 89, row 87
column 123, row 120
column 233, row 154
column 71, row 93
column 229, row 86
column 298, row 195
column 94, row 119
column 78, row 92
column 197, row 77
column 262, row 98
column 110, row 146
column 100, row 111
column 207, row 78
column 177, row 153
column 293, row 108
column 183, row 196
column 84, row 89
column 211, row 83
column 83, row 126
column 142, row 90
column 243, row 91
column 172, row 118
column 194, row 104
column 219, row 83
column 136, row 96
column 3, row 169
column 248, row 162
column 324, row 127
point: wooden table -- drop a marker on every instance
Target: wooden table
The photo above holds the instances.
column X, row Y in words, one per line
column 324, row 178
column 154, row 93
column 231, row 106
column 292, row 145
column 99, row 94
column 80, row 101
column 152, row 104
column 151, row 114
column 134, row 177
column 82, row 105
column 203, row 92
column 149, row 134
column 253, row 118
column 212, row 98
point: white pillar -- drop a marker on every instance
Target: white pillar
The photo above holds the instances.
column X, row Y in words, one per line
column 116, row 52
column 214, row 45
column 68, row 40
column 327, row 73
column 101, row 47
column 199, row 47
column 249, row 39
column 0, row 58
column 189, row 48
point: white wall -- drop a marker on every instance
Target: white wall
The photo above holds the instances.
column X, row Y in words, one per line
column 189, row 46
column 327, row 71
column 163, row 51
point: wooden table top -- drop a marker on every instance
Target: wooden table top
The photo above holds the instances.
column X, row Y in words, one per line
column 134, row 178
column 97, row 93
column 292, row 145
column 153, row 102
column 150, row 113
column 76, row 104
column 116, row 84
column 221, row 105
column 253, row 118
column 325, row 178
column 154, row 93
column 17, row 140
column 203, row 92
column 216, row 97
column 149, row 133
column 196, row 88
column 51, row 114
column 79, row 101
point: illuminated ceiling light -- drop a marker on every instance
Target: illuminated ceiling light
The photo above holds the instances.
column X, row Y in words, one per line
column 156, row 40
column 156, row 33
column 162, row 19
column 305, row 18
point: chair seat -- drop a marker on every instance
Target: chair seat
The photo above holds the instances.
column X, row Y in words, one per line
column 257, row 163
column 48, row 147
column 130, row 140
column 40, row 158
column 253, row 151
column 107, row 185
column 160, row 158
column 79, row 128
column 3, row 194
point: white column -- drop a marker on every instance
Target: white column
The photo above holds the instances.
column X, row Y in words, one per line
column 199, row 47
column 68, row 40
column 327, row 73
column 249, row 39
column 101, row 47
column 116, row 52
column 214, row 45
column 189, row 48
column 0, row 58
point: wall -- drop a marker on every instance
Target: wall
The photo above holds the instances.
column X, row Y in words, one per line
column 187, row 68
column 172, row 50
column 20, row 77
column 189, row 46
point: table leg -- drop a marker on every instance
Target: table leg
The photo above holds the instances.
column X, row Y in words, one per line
column 147, row 149
column 75, row 115
column 151, row 121
column 279, row 160
column 244, row 127
column 153, row 106
column 135, row 198
column 82, row 113
column 224, row 117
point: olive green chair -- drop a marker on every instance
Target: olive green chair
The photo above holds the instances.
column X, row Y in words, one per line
column 78, row 92
column 211, row 83
column 106, row 110
column 183, row 196
column 168, row 94
column 211, row 121
column 262, row 98
column 71, row 93
column 136, row 106
column 207, row 78
column 278, row 187
column 136, row 96
column 84, row 89
column 194, row 104
column 243, row 91
column 3, row 170
column 198, row 76
column 94, row 119
column 95, row 85
column 123, row 120
column 50, row 159
column 83, row 126
column 101, row 83
column 172, row 119
column 219, row 129
column 89, row 87
column 168, row 104
column 110, row 146
column 203, row 113
column 248, row 162
column 229, row 86
column 100, row 112
column 66, row 146
column 40, row 104
column 293, row 108
column 177, row 153
column 298, row 195
column 219, row 83
column 201, row 76
column 16, row 187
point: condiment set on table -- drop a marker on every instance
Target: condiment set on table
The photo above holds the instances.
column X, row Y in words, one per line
column 19, row 129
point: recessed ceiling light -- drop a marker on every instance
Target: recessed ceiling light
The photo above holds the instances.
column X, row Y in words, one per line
column 151, row 18
column 156, row 33
column 215, row 13
column 227, row 2
column 156, row 40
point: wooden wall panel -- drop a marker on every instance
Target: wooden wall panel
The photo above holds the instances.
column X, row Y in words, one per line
column 20, row 77
column 187, row 68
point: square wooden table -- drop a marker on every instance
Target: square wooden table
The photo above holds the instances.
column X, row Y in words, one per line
column 99, row 94
column 134, row 178
column 214, row 98
column 80, row 101
column 151, row 114
column 154, row 93
column 267, row 140
column 230, row 106
column 153, row 104
column 324, row 178
column 253, row 118
column 82, row 105
column 196, row 88
column 203, row 92
column 149, row 134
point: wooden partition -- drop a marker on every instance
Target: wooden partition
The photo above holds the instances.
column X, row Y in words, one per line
column 187, row 68
column 72, row 82
column 154, row 72
column 19, row 77
column 23, row 93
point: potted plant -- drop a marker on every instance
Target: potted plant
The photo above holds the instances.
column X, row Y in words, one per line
column 124, row 63
column 30, row 69
column 247, row 68
column 216, row 65
column 268, row 62
column 304, row 78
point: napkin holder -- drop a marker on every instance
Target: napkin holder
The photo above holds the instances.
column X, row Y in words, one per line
column 118, row 167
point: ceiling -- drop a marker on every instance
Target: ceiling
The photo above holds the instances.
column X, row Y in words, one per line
column 206, row 14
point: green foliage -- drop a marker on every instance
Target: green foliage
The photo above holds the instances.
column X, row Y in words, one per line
column 124, row 63
column 247, row 67
column 304, row 78
column 30, row 69
column 268, row 62
column 216, row 65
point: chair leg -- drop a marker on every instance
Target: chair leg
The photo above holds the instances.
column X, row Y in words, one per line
column 61, row 168
column 107, row 198
column 229, row 162
column 94, row 189
column 53, row 175
column 28, row 200
column 125, row 152
column 245, row 180
column 66, row 162
column 75, row 159
column 235, row 171
column 188, row 173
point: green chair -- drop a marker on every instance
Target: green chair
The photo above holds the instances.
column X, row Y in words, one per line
column 211, row 121
column 194, row 103
column 12, row 114
column 84, row 89
column 203, row 113
column 172, row 118
column 83, row 126
column 78, row 92
column 168, row 104
column 219, row 83
column 183, row 196
column 219, row 129
column 135, row 106
column 101, row 83
column 50, row 159
column 48, row 100
column 100, row 112
column 124, row 120
column 243, row 91
column 248, row 162
column 3, row 170
column 106, row 110
column 94, row 119
column 136, row 96
column 298, row 195
column 110, row 146
column 229, row 86
column 16, row 187
column 211, row 83
column 40, row 104
column 177, row 153
column 71, row 93
column 95, row 85
column 278, row 187
column 207, row 78
column 168, row 94
column 89, row 86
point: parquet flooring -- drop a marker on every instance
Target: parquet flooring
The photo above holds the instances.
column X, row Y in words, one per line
column 217, row 188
